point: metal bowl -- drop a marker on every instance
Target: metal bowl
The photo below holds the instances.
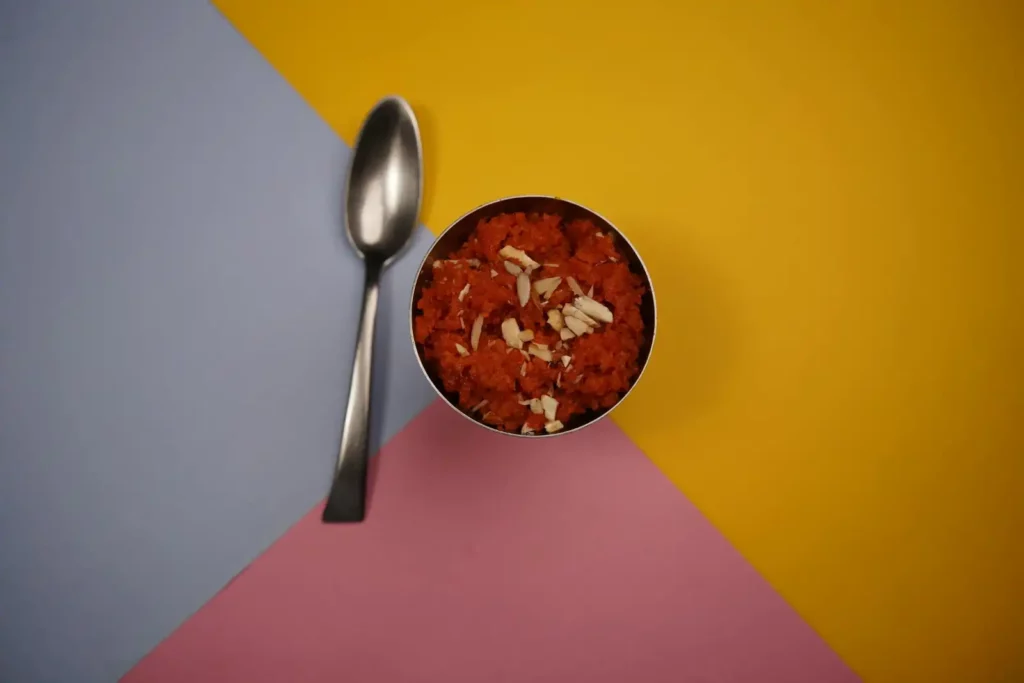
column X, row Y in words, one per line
column 456, row 234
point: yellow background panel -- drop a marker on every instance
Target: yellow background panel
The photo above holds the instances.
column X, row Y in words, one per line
column 829, row 198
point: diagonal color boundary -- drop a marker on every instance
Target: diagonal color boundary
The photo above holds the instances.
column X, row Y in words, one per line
column 482, row 560
column 176, row 303
column 826, row 195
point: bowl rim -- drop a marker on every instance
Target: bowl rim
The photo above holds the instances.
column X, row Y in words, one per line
column 412, row 316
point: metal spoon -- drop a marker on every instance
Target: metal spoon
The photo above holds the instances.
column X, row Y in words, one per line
column 385, row 186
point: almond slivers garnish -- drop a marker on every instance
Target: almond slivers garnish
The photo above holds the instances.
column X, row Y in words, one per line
column 523, row 288
column 558, row 381
column 547, row 286
column 474, row 335
column 555, row 320
column 494, row 273
column 475, row 263
column 576, row 326
column 553, row 426
column 536, row 301
column 518, row 256
column 540, row 351
column 510, row 331
column 522, row 370
column 463, row 351
column 566, row 360
column 550, row 405
column 595, row 310
column 526, row 429
column 464, row 292
column 512, row 268
column 590, row 292
column 478, row 406
column 574, row 286
column 526, row 335
column 570, row 310
column 566, row 334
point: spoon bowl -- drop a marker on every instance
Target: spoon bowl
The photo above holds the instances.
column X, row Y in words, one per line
column 382, row 203
column 385, row 183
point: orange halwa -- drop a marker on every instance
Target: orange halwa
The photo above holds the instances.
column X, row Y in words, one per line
column 496, row 381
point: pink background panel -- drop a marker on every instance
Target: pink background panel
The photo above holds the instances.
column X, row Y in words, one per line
column 488, row 559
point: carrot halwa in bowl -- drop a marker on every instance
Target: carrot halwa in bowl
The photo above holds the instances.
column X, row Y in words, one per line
column 533, row 315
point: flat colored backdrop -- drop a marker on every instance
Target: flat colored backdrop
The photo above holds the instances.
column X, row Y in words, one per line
column 829, row 198
column 176, row 311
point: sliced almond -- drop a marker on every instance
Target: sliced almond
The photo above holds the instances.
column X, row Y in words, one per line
column 519, row 256
column 536, row 301
column 574, row 286
column 437, row 264
column 553, row 426
column 494, row 273
column 595, row 310
column 510, row 331
column 541, row 352
column 536, row 407
column 464, row 292
column 579, row 378
column 555, row 319
column 523, row 288
column 566, row 360
column 547, row 286
column 463, row 351
column 475, row 263
column 524, row 354
column 462, row 323
column 512, row 268
column 577, row 326
column 526, row 429
column 572, row 311
column 590, row 292
column 526, row 335
column 529, row 402
column 566, row 334
column 474, row 334
column 478, row 406
column 550, row 405
column 522, row 370
column 558, row 381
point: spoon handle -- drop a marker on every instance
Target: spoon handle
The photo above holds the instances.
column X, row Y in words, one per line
column 347, row 499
